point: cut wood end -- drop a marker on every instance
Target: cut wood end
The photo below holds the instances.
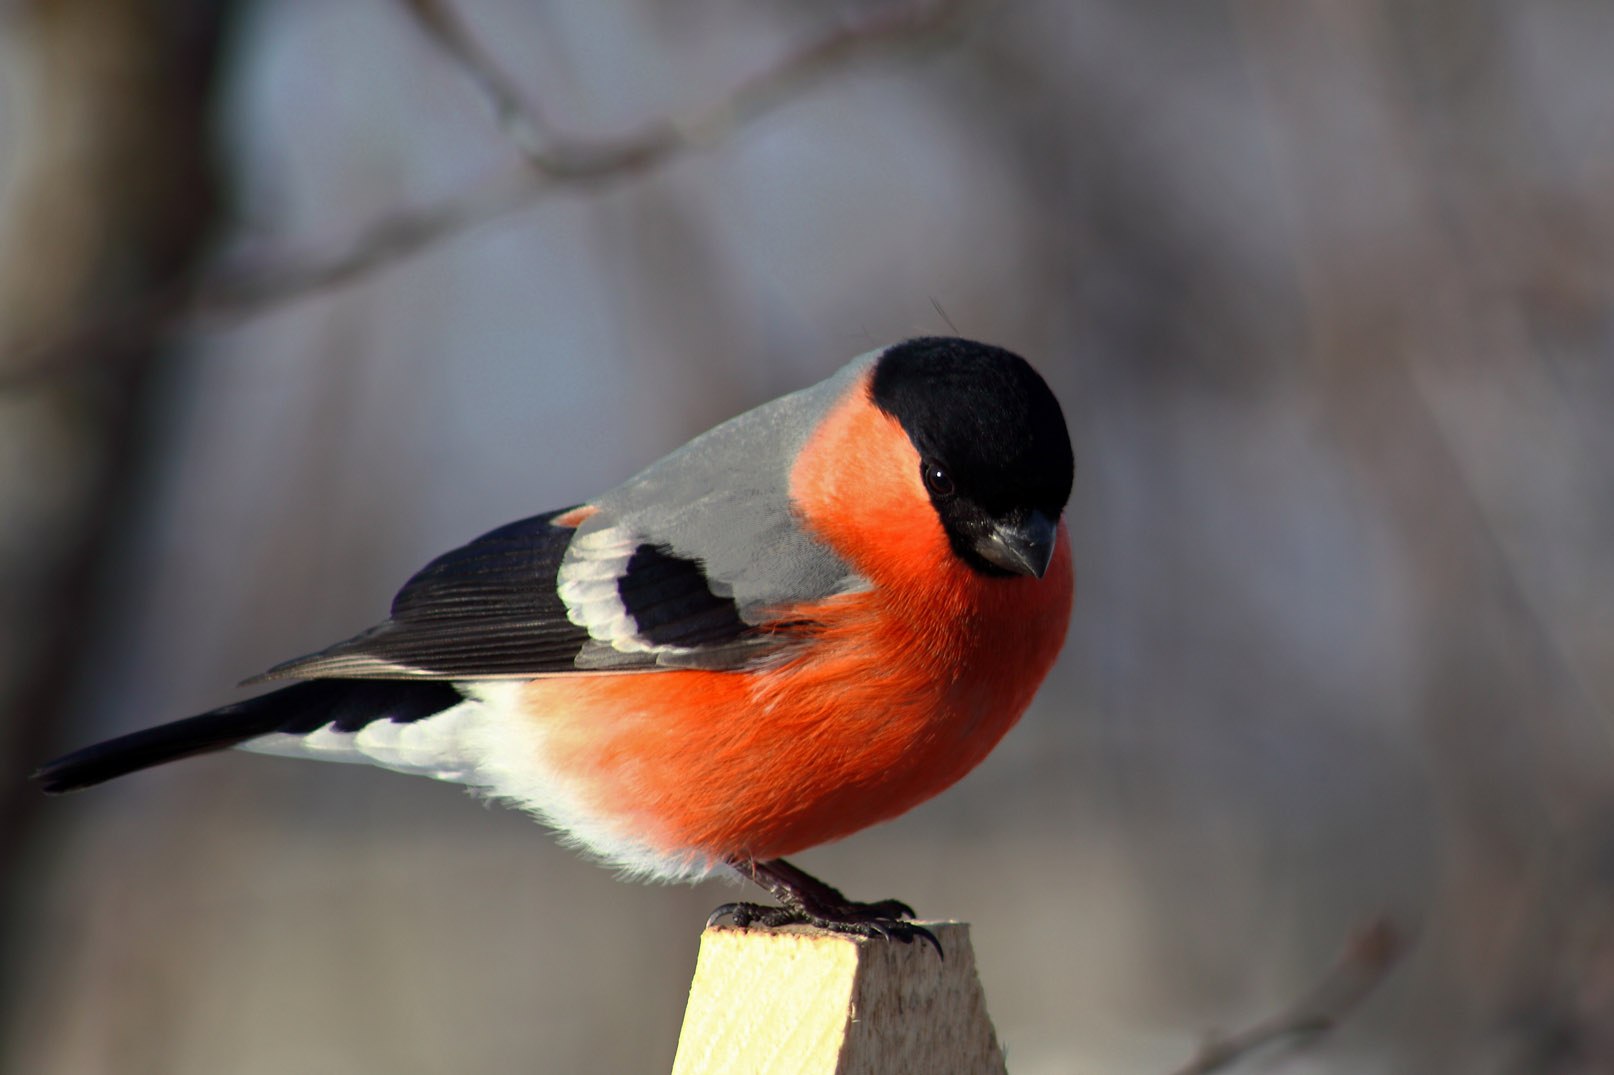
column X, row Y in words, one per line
column 802, row 1001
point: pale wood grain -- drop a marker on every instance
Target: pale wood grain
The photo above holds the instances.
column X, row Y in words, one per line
column 805, row 1002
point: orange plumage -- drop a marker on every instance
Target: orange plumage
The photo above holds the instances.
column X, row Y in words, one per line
column 904, row 688
column 803, row 622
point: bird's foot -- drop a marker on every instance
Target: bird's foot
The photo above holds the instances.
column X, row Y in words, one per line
column 804, row 900
column 870, row 923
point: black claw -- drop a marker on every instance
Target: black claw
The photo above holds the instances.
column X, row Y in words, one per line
column 748, row 914
column 727, row 910
column 928, row 937
column 754, row 914
column 805, row 900
column 874, row 926
column 885, row 929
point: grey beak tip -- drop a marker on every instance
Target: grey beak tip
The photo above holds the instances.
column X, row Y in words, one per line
column 1024, row 549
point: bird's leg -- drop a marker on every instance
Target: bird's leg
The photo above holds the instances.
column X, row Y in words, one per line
column 804, row 899
column 792, row 885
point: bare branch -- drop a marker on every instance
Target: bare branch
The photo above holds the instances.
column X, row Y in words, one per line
column 904, row 24
column 516, row 116
column 1368, row 958
column 243, row 291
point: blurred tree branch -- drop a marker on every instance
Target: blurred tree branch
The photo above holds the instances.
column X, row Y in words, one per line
column 1516, row 725
column 115, row 194
column 516, row 116
column 552, row 164
column 1368, row 958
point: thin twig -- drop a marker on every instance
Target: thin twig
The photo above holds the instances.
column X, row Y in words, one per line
column 242, row 291
column 515, row 115
column 896, row 26
column 1368, row 958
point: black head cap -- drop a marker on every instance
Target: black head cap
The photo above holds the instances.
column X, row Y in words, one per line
column 995, row 452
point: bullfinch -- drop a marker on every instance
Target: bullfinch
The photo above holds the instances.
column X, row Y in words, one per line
column 803, row 622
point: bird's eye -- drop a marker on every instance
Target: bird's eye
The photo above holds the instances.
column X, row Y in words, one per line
column 937, row 480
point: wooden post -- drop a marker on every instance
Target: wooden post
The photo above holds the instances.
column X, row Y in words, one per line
column 806, row 1002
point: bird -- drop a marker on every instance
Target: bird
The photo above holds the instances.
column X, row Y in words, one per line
column 803, row 622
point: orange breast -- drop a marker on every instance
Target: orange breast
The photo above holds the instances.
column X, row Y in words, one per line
column 902, row 689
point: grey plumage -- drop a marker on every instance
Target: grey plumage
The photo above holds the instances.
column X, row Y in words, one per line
column 534, row 599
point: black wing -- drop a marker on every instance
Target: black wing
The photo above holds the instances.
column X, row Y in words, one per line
column 490, row 609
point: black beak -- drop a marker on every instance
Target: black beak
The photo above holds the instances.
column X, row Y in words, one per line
column 1022, row 548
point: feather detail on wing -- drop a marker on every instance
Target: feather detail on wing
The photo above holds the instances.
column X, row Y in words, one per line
column 693, row 563
column 485, row 610
column 534, row 598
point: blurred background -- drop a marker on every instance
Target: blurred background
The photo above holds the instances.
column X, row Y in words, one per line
column 1324, row 286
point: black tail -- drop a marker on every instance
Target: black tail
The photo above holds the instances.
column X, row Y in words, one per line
column 347, row 704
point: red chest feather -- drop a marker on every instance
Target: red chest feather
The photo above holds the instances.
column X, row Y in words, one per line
column 904, row 687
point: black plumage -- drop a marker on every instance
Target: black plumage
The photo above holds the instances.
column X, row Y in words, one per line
column 672, row 604
column 348, row 705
